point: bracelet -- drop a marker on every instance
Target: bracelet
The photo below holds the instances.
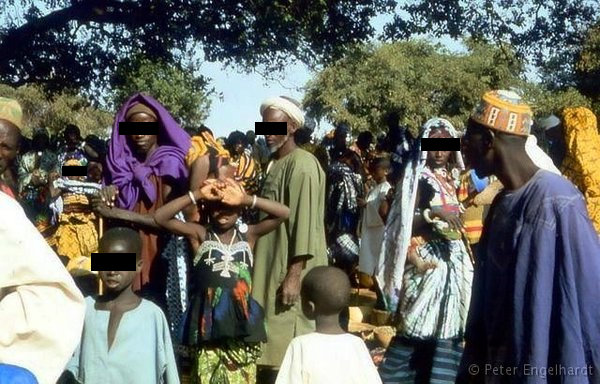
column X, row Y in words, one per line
column 253, row 202
column 426, row 215
column 191, row 195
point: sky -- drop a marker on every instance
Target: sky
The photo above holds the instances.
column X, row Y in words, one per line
column 242, row 94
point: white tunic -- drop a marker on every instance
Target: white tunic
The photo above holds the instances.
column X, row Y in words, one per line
column 318, row 358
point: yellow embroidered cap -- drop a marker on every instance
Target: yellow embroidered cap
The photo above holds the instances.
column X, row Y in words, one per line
column 504, row 111
column 10, row 110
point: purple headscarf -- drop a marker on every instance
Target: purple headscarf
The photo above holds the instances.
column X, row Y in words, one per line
column 131, row 176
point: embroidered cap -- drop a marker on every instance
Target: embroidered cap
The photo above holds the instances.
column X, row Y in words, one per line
column 504, row 111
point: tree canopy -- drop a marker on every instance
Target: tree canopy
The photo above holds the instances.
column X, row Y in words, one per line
column 53, row 113
column 547, row 33
column 73, row 43
column 419, row 80
column 185, row 94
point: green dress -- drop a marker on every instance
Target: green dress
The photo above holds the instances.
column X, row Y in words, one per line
column 297, row 181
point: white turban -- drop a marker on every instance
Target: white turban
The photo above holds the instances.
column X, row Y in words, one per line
column 285, row 106
column 538, row 156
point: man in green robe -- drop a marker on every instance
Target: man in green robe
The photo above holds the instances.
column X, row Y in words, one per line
column 282, row 257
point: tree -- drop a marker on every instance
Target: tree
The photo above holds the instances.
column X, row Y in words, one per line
column 74, row 43
column 415, row 79
column 546, row 32
column 184, row 94
column 588, row 66
column 419, row 80
column 53, row 113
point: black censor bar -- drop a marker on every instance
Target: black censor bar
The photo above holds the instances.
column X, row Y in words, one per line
column 271, row 128
column 141, row 128
column 113, row 262
column 440, row 144
column 74, row 170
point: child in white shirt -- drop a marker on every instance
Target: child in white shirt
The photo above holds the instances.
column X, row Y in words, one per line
column 329, row 355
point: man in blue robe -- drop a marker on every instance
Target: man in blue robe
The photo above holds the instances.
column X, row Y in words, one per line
column 535, row 309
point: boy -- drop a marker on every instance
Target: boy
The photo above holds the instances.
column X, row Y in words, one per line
column 328, row 355
column 125, row 338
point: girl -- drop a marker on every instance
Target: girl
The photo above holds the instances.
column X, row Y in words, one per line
column 76, row 237
column 223, row 324
column 376, row 209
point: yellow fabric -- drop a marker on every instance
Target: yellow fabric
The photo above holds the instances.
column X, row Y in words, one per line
column 76, row 234
column 246, row 173
column 10, row 110
column 41, row 309
column 582, row 161
column 199, row 147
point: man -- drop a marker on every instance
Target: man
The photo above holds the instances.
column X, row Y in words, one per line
column 294, row 178
column 535, row 311
column 11, row 121
column 41, row 309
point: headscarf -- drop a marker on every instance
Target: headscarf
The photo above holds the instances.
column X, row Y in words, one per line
column 398, row 229
column 132, row 177
column 286, row 106
column 580, row 165
column 538, row 156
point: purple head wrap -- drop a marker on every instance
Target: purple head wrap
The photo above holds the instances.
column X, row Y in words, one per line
column 131, row 176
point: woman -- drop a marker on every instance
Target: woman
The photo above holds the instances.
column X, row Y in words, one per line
column 427, row 271
column 342, row 213
column 580, row 165
column 143, row 172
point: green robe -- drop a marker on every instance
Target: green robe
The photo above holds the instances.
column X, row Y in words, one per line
column 297, row 181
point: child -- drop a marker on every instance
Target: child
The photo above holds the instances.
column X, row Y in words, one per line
column 76, row 236
column 376, row 209
column 328, row 355
column 125, row 338
column 224, row 325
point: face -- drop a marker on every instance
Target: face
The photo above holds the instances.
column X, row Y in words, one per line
column 95, row 171
column 274, row 142
column 438, row 159
column 478, row 151
column 143, row 143
column 339, row 139
column 40, row 142
column 117, row 281
column 72, row 138
column 9, row 144
column 238, row 148
column 223, row 217
column 380, row 172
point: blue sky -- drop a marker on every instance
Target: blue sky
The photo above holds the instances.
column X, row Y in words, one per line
column 242, row 94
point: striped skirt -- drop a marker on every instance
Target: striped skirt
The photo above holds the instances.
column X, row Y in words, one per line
column 434, row 304
column 414, row 361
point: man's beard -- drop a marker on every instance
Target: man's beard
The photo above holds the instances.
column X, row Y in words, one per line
column 276, row 147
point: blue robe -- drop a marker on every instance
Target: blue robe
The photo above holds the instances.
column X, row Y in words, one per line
column 535, row 309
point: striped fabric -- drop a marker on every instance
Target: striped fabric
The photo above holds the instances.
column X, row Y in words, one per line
column 412, row 361
column 247, row 173
column 435, row 304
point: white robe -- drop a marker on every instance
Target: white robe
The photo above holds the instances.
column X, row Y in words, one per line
column 41, row 308
column 372, row 229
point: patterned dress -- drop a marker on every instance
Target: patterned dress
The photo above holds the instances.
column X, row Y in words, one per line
column 434, row 303
column 223, row 325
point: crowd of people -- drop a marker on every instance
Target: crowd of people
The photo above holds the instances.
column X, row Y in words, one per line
column 248, row 249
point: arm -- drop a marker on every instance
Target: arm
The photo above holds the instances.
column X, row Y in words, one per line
column 165, row 217
column 384, row 210
column 144, row 220
column 278, row 213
